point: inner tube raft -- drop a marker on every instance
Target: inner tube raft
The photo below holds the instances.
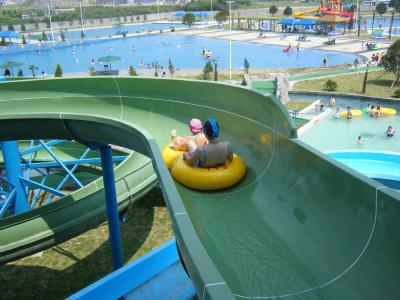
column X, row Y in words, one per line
column 208, row 179
column 384, row 111
column 354, row 112
column 169, row 155
column 388, row 111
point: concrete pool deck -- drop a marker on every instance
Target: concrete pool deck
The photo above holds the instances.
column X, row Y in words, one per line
column 346, row 43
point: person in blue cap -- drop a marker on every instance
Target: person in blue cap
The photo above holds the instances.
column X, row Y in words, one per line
column 213, row 154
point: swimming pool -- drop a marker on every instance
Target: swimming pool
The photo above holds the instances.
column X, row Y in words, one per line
column 331, row 134
column 109, row 31
column 184, row 51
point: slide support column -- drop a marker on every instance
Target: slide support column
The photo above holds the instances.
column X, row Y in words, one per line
column 12, row 164
column 112, row 207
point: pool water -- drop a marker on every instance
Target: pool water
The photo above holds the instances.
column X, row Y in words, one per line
column 184, row 51
column 340, row 134
column 109, row 31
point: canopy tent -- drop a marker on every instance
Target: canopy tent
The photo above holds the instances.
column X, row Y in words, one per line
column 195, row 13
column 179, row 14
column 10, row 65
column 333, row 19
column 305, row 22
column 108, row 59
column 288, row 21
column 9, row 34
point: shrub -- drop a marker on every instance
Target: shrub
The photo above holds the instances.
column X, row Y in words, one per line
column 207, row 70
column 396, row 94
column 188, row 19
column 92, row 71
column 20, row 73
column 132, row 71
column 58, row 72
column 330, row 86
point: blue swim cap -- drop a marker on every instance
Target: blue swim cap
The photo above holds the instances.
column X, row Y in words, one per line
column 211, row 128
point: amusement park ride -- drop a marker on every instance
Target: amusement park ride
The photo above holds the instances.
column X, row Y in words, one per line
column 332, row 7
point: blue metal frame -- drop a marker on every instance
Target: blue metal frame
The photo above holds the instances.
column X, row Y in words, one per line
column 29, row 189
column 112, row 206
column 12, row 164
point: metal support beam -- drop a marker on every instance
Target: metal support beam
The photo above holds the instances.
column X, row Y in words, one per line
column 112, row 207
column 12, row 164
column 41, row 186
column 61, row 164
column 80, row 161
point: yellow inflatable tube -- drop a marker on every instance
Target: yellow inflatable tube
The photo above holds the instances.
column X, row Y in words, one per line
column 208, row 179
column 388, row 111
column 169, row 155
column 354, row 112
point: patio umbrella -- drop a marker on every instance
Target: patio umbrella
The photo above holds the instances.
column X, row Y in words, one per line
column 9, row 34
column 179, row 14
column 10, row 65
column 288, row 21
column 108, row 59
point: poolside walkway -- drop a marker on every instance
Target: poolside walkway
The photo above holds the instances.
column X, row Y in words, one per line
column 347, row 44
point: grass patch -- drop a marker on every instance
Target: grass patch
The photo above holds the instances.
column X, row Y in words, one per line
column 297, row 105
column 378, row 84
column 72, row 265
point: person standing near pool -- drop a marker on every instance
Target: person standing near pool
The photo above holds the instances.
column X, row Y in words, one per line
column 213, row 154
column 332, row 101
column 349, row 114
column 390, row 132
column 325, row 60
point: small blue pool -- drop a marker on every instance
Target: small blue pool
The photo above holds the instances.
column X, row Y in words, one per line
column 184, row 51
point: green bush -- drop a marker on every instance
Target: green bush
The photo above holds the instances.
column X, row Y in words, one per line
column 58, row 72
column 3, row 42
column 207, row 70
column 132, row 71
column 396, row 94
column 330, row 86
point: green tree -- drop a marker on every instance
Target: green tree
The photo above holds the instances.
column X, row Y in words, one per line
column 215, row 63
column 44, row 36
column 23, row 40
column 20, row 73
column 155, row 65
column 58, row 72
column 246, row 65
column 132, row 71
column 287, row 11
column 221, row 16
column 207, row 70
column 32, row 68
column 393, row 3
column 391, row 61
column 381, row 8
column 330, row 85
column 11, row 27
column 23, row 28
column 171, row 68
column 188, row 19
column 3, row 42
column 273, row 9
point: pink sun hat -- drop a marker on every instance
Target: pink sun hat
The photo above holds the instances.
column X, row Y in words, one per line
column 195, row 126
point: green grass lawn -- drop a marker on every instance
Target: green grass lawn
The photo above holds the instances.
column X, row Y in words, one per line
column 72, row 265
column 297, row 105
column 378, row 84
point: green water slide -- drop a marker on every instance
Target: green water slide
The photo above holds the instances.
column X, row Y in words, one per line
column 298, row 226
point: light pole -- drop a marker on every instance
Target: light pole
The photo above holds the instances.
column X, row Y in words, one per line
column 158, row 13
column 230, row 39
column 211, row 11
column 80, row 8
column 51, row 23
